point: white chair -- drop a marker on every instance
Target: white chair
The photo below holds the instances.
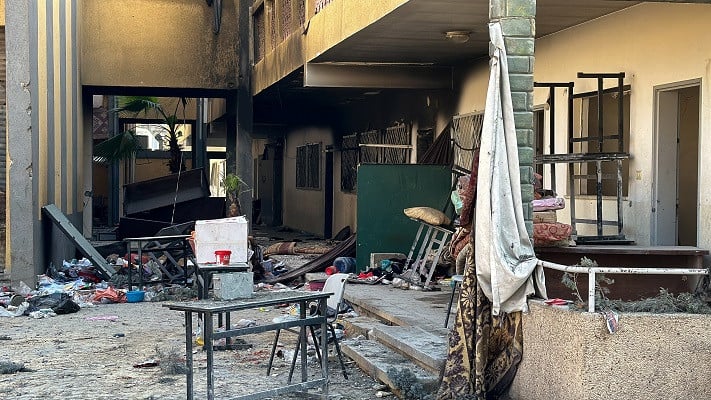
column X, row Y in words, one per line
column 335, row 284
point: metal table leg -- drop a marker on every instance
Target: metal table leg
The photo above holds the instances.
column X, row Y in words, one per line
column 208, row 344
column 189, row 354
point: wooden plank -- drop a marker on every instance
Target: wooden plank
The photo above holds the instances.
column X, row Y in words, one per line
column 62, row 222
column 632, row 250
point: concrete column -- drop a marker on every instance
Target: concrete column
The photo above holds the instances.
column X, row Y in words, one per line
column 22, row 211
column 518, row 23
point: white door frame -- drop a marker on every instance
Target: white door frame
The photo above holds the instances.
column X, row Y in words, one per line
column 658, row 92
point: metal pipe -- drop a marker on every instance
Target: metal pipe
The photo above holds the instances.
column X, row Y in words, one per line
column 591, row 271
column 591, row 290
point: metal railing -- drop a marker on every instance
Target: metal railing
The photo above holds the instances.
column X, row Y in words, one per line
column 592, row 271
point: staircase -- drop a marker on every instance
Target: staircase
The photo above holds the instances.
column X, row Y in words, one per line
column 397, row 330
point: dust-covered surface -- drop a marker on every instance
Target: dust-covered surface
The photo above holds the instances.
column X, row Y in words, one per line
column 133, row 350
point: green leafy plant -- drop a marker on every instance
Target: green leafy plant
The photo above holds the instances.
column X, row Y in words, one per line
column 232, row 184
column 570, row 280
column 125, row 145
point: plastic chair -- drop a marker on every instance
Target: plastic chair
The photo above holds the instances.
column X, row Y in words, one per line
column 456, row 281
column 335, row 284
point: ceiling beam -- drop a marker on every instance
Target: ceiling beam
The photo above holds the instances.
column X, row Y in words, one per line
column 377, row 76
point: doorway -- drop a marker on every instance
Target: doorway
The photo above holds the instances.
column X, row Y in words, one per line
column 675, row 204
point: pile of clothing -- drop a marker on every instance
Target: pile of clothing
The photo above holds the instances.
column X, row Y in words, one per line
column 547, row 231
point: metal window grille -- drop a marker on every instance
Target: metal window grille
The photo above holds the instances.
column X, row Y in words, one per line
column 349, row 163
column 369, row 155
column 259, row 22
column 301, row 12
column 272, row 24
column 321, row 4
column 466, row 136
column 286, row 19
column 388, row 146
column 308, row 162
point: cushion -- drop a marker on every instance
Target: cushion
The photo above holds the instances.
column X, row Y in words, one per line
column 428, row 215
column 544, row 216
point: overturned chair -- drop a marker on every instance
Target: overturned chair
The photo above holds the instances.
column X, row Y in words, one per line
column 335, row 284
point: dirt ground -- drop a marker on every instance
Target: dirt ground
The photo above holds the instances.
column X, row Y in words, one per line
column 97, row 353
column 73, row 356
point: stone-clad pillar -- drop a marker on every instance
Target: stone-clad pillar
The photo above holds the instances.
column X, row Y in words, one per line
column 518, row 23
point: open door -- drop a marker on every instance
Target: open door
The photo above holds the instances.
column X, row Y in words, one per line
column 675, row 207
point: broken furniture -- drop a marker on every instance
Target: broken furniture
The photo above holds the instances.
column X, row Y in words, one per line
column 157, row 203
column 208, row 309
column 426, row 250
column 346, row 248
column 592, row 155
column 456, row 283
column 61, row 222
column 335, row 284
column 173, row 247
column 205, row 271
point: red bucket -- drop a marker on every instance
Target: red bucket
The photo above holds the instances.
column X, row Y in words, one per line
column 222, row 257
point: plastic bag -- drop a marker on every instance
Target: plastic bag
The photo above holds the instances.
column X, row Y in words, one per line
column 457, row 201
column 60, row 303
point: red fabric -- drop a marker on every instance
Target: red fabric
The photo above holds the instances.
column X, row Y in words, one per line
column 550, row 234
column 469, row 197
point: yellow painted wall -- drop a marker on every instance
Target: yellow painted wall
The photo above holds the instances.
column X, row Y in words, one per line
column 303, row 208
column 149, row 43
column 336, row 22
column 2, row 12
column 654, row 44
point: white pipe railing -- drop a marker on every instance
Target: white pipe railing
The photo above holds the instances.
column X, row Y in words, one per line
column 591, row 271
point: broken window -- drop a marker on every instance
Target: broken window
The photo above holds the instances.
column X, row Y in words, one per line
column 308, row 162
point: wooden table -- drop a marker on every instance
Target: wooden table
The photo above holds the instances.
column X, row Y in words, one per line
column 208, row 309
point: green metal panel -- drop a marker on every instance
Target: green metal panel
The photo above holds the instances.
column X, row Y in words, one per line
column 384, row 191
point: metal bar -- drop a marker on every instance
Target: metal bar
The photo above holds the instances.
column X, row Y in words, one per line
column 551, row 139
column 598, row 166
column 619, row 196
column 592, row 139
column 620, row 114
column 591, row 291
column 207, row 334
column 393, row 146
column 601, row 74
column 323, row 310
column 594, row 221
column 414, row 245
column 589, row 176
column 600, row 130
column 304, row 340
column 189, row 354
column 591, row 271
column 284, row 389
column 624, row 270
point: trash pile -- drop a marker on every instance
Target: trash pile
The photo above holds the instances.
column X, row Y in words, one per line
column 76, row 284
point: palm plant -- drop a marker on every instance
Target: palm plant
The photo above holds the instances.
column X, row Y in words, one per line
column 125, row 145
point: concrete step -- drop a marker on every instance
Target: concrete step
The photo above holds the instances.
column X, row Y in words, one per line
column 380, row 362
column 426, row 349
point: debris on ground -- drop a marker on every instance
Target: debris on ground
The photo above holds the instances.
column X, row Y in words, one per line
column 9, row 367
